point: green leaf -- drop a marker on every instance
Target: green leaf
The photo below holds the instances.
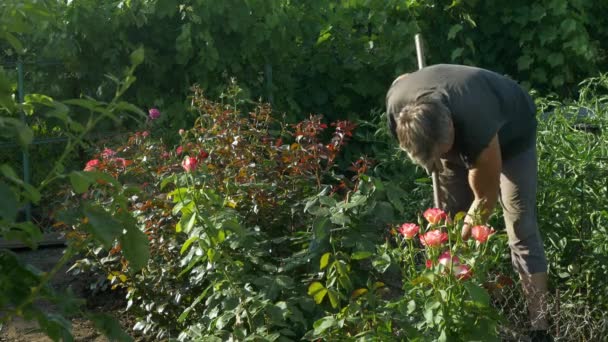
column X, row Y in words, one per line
column 284, row 281
column 187, row 244
column 32, row 193
column 137, row 56
column 14, row 41
column 360, row 255
column 411, row 306
column 84, row 103
column 382, row 262
column 224, row 319
column 555, row 59
column 340, row 219
column 478, row 295
column 166, row 181
column 318, row 291
column 333, row 298
column 524, row 62
column 457, row 53
column 459, row 216
column 131, row 108
column 323, row 324
column 314, row 288
column 320, row 228
column 8, row 203
column 324, row 35
column 359, row 292
column 110, row 327
column 454, row 31
column 186, row 223
column 327, row 201
column 81, row 181
column 324, row 260
column 103, row 226
column 136, row 248
column 568, row 25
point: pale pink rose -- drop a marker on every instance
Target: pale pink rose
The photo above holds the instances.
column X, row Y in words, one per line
column 108, row 153
column 463, row 272
column 189, row 164
column 408, row 230
column 181, row 131
column 481, row 233
column 433, row 238
column 145, row 134
column 434, row 215
column 91, row 165
column 447, row 259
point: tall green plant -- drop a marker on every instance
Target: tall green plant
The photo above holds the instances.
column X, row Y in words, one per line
column 21, row 285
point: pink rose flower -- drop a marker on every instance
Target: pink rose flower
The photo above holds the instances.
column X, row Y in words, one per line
column 433, row 238
column 203, row 155
column 181, row 131
column 447, row 259
column 434, row 215
column 145, row 134
column 408, row 230
column 189, row 163
column 154, row 113
column 179, row 150
column 428, row 263
column 91, row 165
column 108, row 153
column 462, row 272
column 165, row 155
column 481, row 233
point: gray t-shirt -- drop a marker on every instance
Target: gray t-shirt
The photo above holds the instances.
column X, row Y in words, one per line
column 482, row 104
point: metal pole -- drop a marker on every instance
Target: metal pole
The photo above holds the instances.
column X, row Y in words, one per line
column 269, row 86
column 420, row 57
column 25, row 152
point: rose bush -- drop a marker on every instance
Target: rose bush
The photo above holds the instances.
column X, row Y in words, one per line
column 223, row 212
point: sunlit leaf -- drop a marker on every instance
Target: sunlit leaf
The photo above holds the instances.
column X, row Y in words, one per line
column 360, row 255
column 324, row 260
column 333, row 298
column 359, row 292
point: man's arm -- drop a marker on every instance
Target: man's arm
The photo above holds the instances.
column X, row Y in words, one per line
column 484, row 180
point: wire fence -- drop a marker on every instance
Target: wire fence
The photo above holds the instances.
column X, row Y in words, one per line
column 569, row 319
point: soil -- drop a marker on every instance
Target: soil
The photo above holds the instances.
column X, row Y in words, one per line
column 111, row 302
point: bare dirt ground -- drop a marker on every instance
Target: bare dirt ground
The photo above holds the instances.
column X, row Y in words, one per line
column 83, row 330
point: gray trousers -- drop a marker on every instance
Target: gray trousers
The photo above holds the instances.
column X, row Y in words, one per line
column 518, row 181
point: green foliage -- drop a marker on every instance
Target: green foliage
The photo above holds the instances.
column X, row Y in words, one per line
column 312, row 56
column 572, row 190
column 215, row 223
column 23, row 286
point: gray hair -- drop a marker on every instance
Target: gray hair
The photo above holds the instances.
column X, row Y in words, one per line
column 421, row 126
